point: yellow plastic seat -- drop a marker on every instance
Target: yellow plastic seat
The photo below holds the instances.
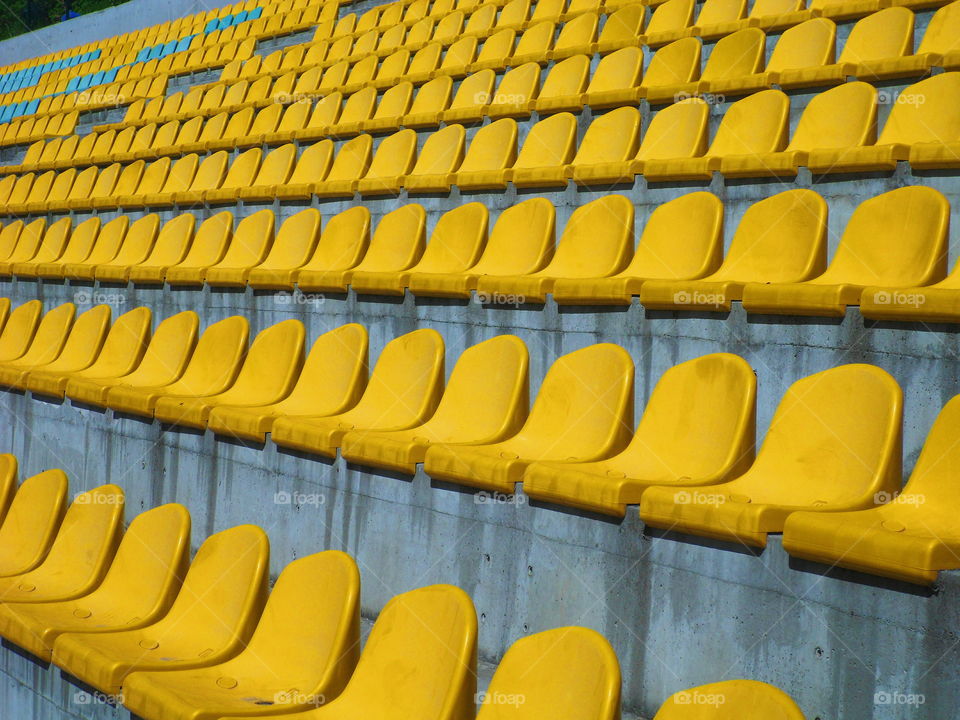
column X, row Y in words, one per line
column 240, row 173
column 670, row 21
column 137, row 244
column 393, row 106
column 276, row 170
column 172, row 245
column 437, row 681
column 872, row 43
column 32, row 521
column 77, row 249
column 93, row 351
column 896, row 240
column 534, row 44
column 468, row 103
column 248, row 247
column 51, row 247
column 46, row 344
column 161, row 362
column 577, row 35
column 596, row 242
column 403, row 392
column 742, row 698
column 394, row 158
column 212, row 172
column 811, row 44
column 616, row 81
column 211, row 620
column 307, row 638
column 923, row 125
column 755, row 125
column 622, row 28
column 455, row 245
column 397, row 245
column 350, row 164
column 105, row 249
column 938, row 48
column 682, row 240
column 29, row 241
column 485, row 401
column 313, row 165
column 909, row 536
column 80, row 553
column 181, row 176
column 549, row 144
column 357, row 108
column 19, row 330
column 491, row 152
column 496, row 51
column 441, row 154
column 838, row 118
column 458, row 57
column 332, row 380
column 779, row 239
column 79, row 342
column 520, row 243
column 676, row 65
column 698, row 428
column 582, row 412
column 208, row 247
column 832, row 445
column 569, row 670
column 212, row 368
column 514, row 94
column 55, row 197
column 677, row 131
column 718, row 18
column 564, row 86
column 294, row 245
column 268, row 373
column 611, row 138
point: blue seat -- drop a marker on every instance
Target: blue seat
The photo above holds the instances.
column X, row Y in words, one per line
column 95, row 55
column 240, row 17
column 5, row 113
column 225, row 22
column 110, row 75
column 255, row 13
column 211, row 26
column 155, row 52
column 142, row 55
column 84, row 82
column 72, row 84
column 32, row 106
column 169, row 48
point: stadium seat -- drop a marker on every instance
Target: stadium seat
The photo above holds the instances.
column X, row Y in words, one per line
column 895, row 240
column 832, row 445
column 698, row 428
column 47, row 342
column 491, row 152
column 267, row 375
column 212, row 618
column 105, row 248
column 733, row 64
column 350, row 164
column 332, row 380
column 779, row 239
column 397, row 245
column 136, row 247
column 394, row 158
column 51, row 247
column 80, row 553
column 19, row 330
column 485, row 401
column 248, row 247
column 718, row 18
column 76, row 342
column 622, row 28
column 740, row 698
column 119, row 347
column 403, row 392
column 563, row 87
column 439, row 680
column 670, row 21
column 938, row 48
column 29, row 241
column 161, row 362
column 308, row 638
column 755, row 125
column 616, row 80
column 596, row 242
column 682, row 239
column 393, row 105
column 582, row 413
column 441, row 154
column 520, row 243
column 212, row 368
column 836, row 119
column 456, row 243
column 31, row 522
column 907, row 536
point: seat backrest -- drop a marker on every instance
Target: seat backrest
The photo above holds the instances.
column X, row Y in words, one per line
column 395, row 155
column 83, row 341
column 768, row 8
column 295, row 240
column 677, row 131
column 716, row 12
column 457, row 240
column 518, row 85
column 438, row 681
column 597, row 240
column 459, row 54
column 550, row 143
column 834, row 438
column 108, row 241
column 52, row 332
column 568, row 672
column 497, row 47
column 585, row 403
column 756, row 124
column 395, row 101
column 217, row 357
column 251, row 241
column 32, row 520
column 55, row 239
column 697, row 218
column 612, row 137
column 169, row 350
column 272, row 363
column 398, row 241
column 674, row 64
column 343, row 242
column 241, row 173
column 433, row 96
column 943, row 32
column 521, row 241
column 671, row 15
column 735, row 55
column 81, row 241
column 474, row 89
column 494, row 147
column 567, row 77
column 810, row 44
column 741, row 698
column 334, row 374
column 779, row 239
column 124, row 344
column 181, row 174
column 514, row 13
column 897, row 239
column 10, row 234
column 841, row 117
column 277, row 166
column 314, row 163
column 536, row 39
column 19, row 330
column 887, row 33
column 352, row 160
column 139, row 241
column 442, row 151
column 619, row 70
column 425, row 60
column 173, row 241
column 624, row 25
column 581, row 30
column 927, row 111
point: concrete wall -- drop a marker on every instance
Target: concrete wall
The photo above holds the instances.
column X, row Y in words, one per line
column 117, row 20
